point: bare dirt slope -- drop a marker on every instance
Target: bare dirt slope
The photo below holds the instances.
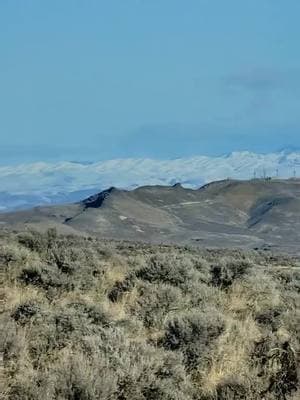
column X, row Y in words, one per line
column 252, row 214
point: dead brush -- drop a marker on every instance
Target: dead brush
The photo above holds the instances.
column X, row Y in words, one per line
column 88, row 319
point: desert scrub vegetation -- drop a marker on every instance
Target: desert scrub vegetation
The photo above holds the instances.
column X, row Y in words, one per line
column 84, row 319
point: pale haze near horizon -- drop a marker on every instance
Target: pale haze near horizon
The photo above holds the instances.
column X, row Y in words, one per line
column 163, row 79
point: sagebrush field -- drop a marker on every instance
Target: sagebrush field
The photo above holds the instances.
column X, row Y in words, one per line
column 85, row 319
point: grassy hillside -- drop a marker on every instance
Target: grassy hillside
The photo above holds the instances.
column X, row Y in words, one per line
column 85, row 319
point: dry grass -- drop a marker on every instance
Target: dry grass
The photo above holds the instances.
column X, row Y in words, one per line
column 82, row 319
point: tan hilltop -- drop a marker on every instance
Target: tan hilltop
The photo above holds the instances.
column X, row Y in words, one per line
column 230, row 213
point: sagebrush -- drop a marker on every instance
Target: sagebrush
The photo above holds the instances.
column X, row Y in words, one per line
column 85, row 319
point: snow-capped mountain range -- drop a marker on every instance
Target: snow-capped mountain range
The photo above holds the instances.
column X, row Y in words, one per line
column 27, row 185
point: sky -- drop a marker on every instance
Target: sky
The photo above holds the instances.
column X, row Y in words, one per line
column 101, row 79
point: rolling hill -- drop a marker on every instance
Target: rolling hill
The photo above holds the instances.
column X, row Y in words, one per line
column 230, row 213
column 28, row 185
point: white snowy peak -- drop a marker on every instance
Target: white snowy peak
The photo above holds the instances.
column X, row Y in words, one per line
column 41, row 183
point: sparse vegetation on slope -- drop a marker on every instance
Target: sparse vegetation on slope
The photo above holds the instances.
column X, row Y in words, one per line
column 85, row 319
column 256, row 214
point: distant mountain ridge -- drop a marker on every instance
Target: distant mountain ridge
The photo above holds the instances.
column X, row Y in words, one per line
column 28, row 185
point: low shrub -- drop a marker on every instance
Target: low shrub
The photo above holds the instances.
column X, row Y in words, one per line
column 121, row 287
column 193, row 334
column 86, row 319
column 156, row 302
column 224, row 274
column 25, row 311
column 169, row 269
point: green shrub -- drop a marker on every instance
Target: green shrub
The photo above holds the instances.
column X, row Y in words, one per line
column 155, row 302
column 276, row 362
column 121, row 287
column 169, row 269
column 47, row 278
column 25, row 311
column 193, row 334
column 83, row 318
column 224, row 274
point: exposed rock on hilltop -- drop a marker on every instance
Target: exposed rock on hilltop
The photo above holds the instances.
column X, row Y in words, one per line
column 96, row 200
column 256, row 213
column 24, row 186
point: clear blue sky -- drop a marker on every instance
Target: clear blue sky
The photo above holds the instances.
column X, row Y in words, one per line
column 161, row 78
